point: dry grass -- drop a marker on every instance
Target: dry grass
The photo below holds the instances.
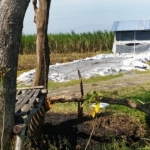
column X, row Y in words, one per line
column 28, row 62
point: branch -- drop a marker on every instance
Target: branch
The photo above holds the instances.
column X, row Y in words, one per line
column 65, row 98
column 34, row 2
column 124, row 102
column 81, row 83
column 128, row 103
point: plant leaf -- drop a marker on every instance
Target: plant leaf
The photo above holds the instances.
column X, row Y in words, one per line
column 93, row 114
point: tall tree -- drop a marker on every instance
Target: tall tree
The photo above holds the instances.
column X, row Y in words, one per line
column 42, row 48
column 11, row 23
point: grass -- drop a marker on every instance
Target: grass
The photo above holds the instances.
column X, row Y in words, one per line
column 141, row 92
column 142, row 72
column 93, row 80
column 135, row 93
column 121, row 145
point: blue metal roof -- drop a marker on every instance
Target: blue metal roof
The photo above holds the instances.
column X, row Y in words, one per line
column 131, row 25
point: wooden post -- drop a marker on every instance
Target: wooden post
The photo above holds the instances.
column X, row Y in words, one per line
column 18, row 128
column 19, row 137
column 80, row 108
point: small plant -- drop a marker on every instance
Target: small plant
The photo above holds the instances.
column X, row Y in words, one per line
column 92, row 97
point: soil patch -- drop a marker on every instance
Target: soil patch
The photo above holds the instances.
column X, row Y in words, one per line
column 66, row 131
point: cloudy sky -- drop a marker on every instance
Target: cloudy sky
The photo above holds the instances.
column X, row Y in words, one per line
column 88, row 15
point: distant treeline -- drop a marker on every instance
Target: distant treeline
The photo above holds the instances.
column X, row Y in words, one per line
column 99, row 41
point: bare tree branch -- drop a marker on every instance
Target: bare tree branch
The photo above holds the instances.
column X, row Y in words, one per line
column 124, row 102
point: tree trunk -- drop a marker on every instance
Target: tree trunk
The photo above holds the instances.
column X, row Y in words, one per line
column 42, row 48
column 11, row 23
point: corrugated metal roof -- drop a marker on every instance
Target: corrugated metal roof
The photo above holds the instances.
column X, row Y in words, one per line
column 131, row 25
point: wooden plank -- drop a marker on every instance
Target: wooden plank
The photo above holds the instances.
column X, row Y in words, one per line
column 28, row 93
column 26, row 108
column 25, row 100
column 34, row 87
column 33, row 112
column 26, row 116
column 22, row 92
column 35, row 109
column 18, row 92
column 32, row 99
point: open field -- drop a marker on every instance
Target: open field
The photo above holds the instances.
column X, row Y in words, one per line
column 116, row 127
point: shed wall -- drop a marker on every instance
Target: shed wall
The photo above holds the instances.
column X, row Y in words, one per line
column 131, row 41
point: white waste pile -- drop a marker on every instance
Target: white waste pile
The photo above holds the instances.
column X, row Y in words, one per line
column 101, row 105
column 102, row 64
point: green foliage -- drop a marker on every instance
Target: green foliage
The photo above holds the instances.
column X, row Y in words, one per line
column 99, row 41
column 28, row 45
column 92, row 97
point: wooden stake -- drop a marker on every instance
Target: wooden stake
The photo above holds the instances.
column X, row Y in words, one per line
column 80, row 108
column 19, row 139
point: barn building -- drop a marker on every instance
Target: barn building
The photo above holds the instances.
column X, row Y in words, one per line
column 131, row 36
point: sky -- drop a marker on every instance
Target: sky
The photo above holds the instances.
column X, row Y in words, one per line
column 88, row 15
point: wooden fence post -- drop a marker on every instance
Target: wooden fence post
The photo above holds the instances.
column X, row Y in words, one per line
column 20, row 131
column 80, row 108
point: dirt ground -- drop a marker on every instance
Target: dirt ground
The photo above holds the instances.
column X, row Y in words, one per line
column 66, row 132
column 129, row 79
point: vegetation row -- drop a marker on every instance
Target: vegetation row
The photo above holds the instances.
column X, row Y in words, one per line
column 98, row 41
